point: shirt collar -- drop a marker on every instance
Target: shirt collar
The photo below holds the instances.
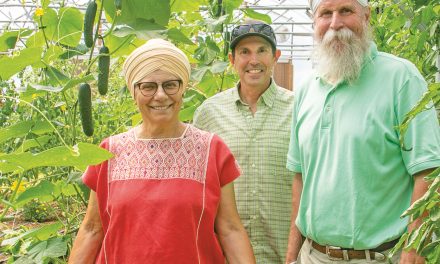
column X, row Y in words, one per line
column 268, row 97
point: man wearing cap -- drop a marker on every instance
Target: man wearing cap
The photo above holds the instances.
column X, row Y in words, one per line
column 352, row 174
column 253, row 118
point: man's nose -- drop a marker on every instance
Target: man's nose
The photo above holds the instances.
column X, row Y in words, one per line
column 336, row 22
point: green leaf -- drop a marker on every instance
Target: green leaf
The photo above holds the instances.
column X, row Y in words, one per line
column 43, row 191
column 56, row 77
column 431, row 251
column 70, row 52
column 31, row 93
column 258, row 16
column 198, row 73
column 52, row 54
column 48, row 22
column 178, row 36
column 184, row 5
column 231, row 5
column 41, row 233
column 11, row 65
column 31, row 143
column 64, row 27
column 74, row 82
column 22, row 128
column 69, row 26
column 81, row 156
column 156, row 11
column 9, row 39
column 399, row 245
column 143, row 29
column 52, row 248
column 209, row 84
column 36, row 40
column 186, row 114
column 121, row 46
column 219, row 66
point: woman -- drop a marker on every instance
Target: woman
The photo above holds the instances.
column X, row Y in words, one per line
column 167, row 194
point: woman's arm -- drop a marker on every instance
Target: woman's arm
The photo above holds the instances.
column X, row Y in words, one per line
column 231, row 233
column 90, row 235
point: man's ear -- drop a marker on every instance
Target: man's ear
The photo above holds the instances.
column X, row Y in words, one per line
column 277, row 54
column 231, row 58
column 367, row 13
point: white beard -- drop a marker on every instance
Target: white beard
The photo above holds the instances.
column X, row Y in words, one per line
column 339, row 55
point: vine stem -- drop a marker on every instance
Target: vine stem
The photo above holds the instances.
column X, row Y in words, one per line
column 44, row 116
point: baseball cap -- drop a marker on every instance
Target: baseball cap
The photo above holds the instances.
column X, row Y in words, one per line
column 255, row 29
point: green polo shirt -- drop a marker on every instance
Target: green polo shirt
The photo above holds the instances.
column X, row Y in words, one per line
column 259, row 142
column 357, row 179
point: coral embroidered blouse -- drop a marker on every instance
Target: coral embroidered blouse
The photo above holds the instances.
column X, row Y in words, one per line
column 158, row 198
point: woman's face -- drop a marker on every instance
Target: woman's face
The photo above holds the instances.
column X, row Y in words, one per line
column 163, row 106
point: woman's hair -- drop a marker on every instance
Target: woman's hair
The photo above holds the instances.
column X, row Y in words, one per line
column 156, row 54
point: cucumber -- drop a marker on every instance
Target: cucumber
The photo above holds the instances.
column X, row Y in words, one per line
column 118, row 4
column 103, row 67
column 89, row 20
column 85, row 108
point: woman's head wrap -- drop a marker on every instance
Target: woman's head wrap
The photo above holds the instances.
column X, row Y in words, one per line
column 315, row 3
column 156, row 54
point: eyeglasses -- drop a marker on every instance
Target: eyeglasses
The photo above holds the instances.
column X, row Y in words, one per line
column 150, row 88
column 264, row 29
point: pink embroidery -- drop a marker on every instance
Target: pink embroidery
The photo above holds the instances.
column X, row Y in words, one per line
column 184, row 157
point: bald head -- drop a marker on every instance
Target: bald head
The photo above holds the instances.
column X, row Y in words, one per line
column 315, row 3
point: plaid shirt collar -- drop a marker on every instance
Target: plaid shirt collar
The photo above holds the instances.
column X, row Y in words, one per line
column 268, row 97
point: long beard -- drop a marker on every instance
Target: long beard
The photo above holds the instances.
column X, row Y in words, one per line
column 339, row 55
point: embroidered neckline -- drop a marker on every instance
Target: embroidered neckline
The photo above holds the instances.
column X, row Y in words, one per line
column 133, row 133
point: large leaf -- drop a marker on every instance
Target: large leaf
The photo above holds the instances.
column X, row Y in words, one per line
column 143, row 29
column 69, row 27
column 11, row 65
column 188, row 6
column 259, row 16
column 187, row 113
column 9, row 39
column 84, row 154
column 54, row 247
column 41, row 233
column 120, row 46
column 44, row 191
column 31, row 143
column 64, row 27
column 157, row 12
column 21, row 129
column 74, row 82
column 231, row 5
column 177, row 35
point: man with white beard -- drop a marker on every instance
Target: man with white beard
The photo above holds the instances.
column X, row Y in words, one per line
column 353, row 179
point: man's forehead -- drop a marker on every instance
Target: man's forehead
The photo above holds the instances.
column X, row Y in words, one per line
column 259, row 41
column 314, row 4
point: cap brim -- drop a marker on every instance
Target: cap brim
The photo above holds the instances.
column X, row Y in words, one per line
column 249, row 34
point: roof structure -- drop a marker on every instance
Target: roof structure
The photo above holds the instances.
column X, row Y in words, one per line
column 290, row 20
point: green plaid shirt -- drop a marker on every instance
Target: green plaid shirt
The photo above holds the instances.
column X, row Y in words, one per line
column 259, row 142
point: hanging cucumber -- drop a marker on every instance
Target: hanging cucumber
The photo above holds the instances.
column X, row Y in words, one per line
column 89, row 19
column 85, row 108
column 103, row 67
column 118, row 4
